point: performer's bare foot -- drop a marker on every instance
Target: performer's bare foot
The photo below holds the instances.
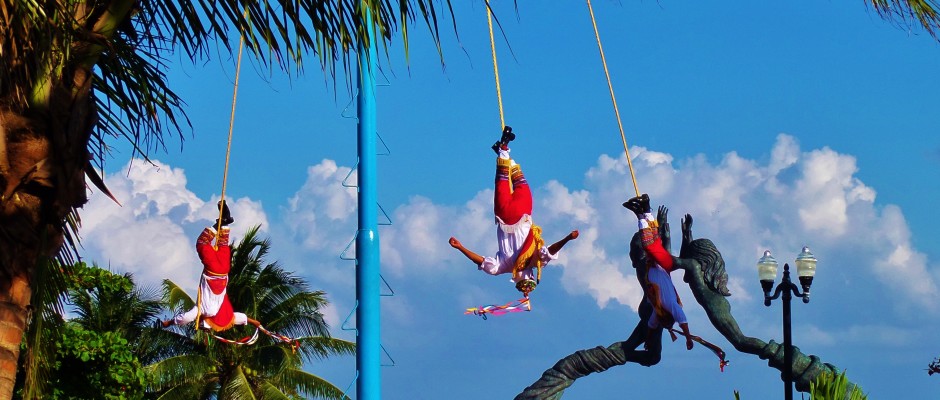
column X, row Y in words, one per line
column 573, row 235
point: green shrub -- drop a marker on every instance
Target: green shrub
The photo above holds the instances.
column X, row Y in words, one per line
column 830, row 387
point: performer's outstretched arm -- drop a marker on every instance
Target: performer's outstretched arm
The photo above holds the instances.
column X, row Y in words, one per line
column 476, row 258
column 555, row 247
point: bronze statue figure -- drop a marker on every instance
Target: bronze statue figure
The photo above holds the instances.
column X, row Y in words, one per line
column 705, row 273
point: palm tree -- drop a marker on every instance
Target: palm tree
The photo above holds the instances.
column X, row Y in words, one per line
column 76, row 75
column 98, row 351
column 106, row 302
column 201, row 367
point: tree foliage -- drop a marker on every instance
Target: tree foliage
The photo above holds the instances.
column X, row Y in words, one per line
column 828, row 386
column 93, row 365
column 201, row 367
column 97, row 353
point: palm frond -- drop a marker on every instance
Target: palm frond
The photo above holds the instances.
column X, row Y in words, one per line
column 237, row 387
column 26, row 53
column 297, row 321
column 322, row 347
column 175, row 297
column 309, row 385
column 271, row 392
column 181, row 370
column 910, row 12
column 135, row 100
column 45, row 321
column 273, row 358
column 186, row 391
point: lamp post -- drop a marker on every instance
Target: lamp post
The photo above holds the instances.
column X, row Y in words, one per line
column 767, row 272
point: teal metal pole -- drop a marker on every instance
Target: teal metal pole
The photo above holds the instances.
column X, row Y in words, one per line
column 368, row 321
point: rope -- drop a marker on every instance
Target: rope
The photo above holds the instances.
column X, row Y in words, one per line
column 228, row 152
column 231, row 125
column 613, row 99
column 294, row 343
column 499, row 95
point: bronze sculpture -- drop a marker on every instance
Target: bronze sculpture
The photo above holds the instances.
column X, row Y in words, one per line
column 705, row 273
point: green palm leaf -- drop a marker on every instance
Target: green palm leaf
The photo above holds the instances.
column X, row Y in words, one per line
column 182, row 370
column 271, row 392
column 324, row 347
column 908, row 12
column 175, row 297
column 308, row 385
column 237, row 386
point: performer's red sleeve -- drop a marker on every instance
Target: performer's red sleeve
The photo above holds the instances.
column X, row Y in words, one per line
column 659, row 254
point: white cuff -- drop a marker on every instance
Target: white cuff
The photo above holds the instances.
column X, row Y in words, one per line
column 644, row 222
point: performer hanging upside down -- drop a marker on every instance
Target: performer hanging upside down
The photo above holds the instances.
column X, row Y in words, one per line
column 213, row 307
column 659, row 290
column 521, row 248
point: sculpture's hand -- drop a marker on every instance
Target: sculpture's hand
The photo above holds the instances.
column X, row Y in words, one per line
column 662, row 217
column 687, row 228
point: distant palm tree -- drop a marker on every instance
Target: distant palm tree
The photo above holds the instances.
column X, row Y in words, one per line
column 201, row 367
column 77, row 75
column 109, row 326
column 108, row 302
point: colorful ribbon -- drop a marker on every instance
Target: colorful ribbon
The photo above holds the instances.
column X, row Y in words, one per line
column 517, row 306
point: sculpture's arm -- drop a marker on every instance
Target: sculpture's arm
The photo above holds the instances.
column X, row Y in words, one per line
column 662, row 218
column 686, row 236
column 805, row 368
column 553, row 382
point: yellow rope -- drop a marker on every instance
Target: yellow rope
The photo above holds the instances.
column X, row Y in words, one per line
column 231, row 126
column 499, row 95
column 228, row 152
column 613, row 98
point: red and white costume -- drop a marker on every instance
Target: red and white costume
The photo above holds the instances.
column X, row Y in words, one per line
column 660, row 291
column 521, row 250
column 212, row 306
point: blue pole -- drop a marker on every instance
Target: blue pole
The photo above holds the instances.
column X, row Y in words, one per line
column 368, row 321
column 368, row 312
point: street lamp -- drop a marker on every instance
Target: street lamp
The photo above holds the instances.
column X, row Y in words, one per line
column 767, row 272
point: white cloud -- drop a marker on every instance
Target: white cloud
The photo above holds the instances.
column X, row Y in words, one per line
column 152, row 234
column 796, row 198
column 744, row 207
column 323, row 206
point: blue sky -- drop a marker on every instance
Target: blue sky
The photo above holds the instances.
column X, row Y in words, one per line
column 776, row 125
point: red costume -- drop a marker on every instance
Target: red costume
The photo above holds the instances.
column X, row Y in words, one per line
column 213, row 307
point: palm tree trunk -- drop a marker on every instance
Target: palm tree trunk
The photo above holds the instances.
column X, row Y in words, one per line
column 43, row 155
column 14, row 305
column 32, row 211
column 43, row 160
